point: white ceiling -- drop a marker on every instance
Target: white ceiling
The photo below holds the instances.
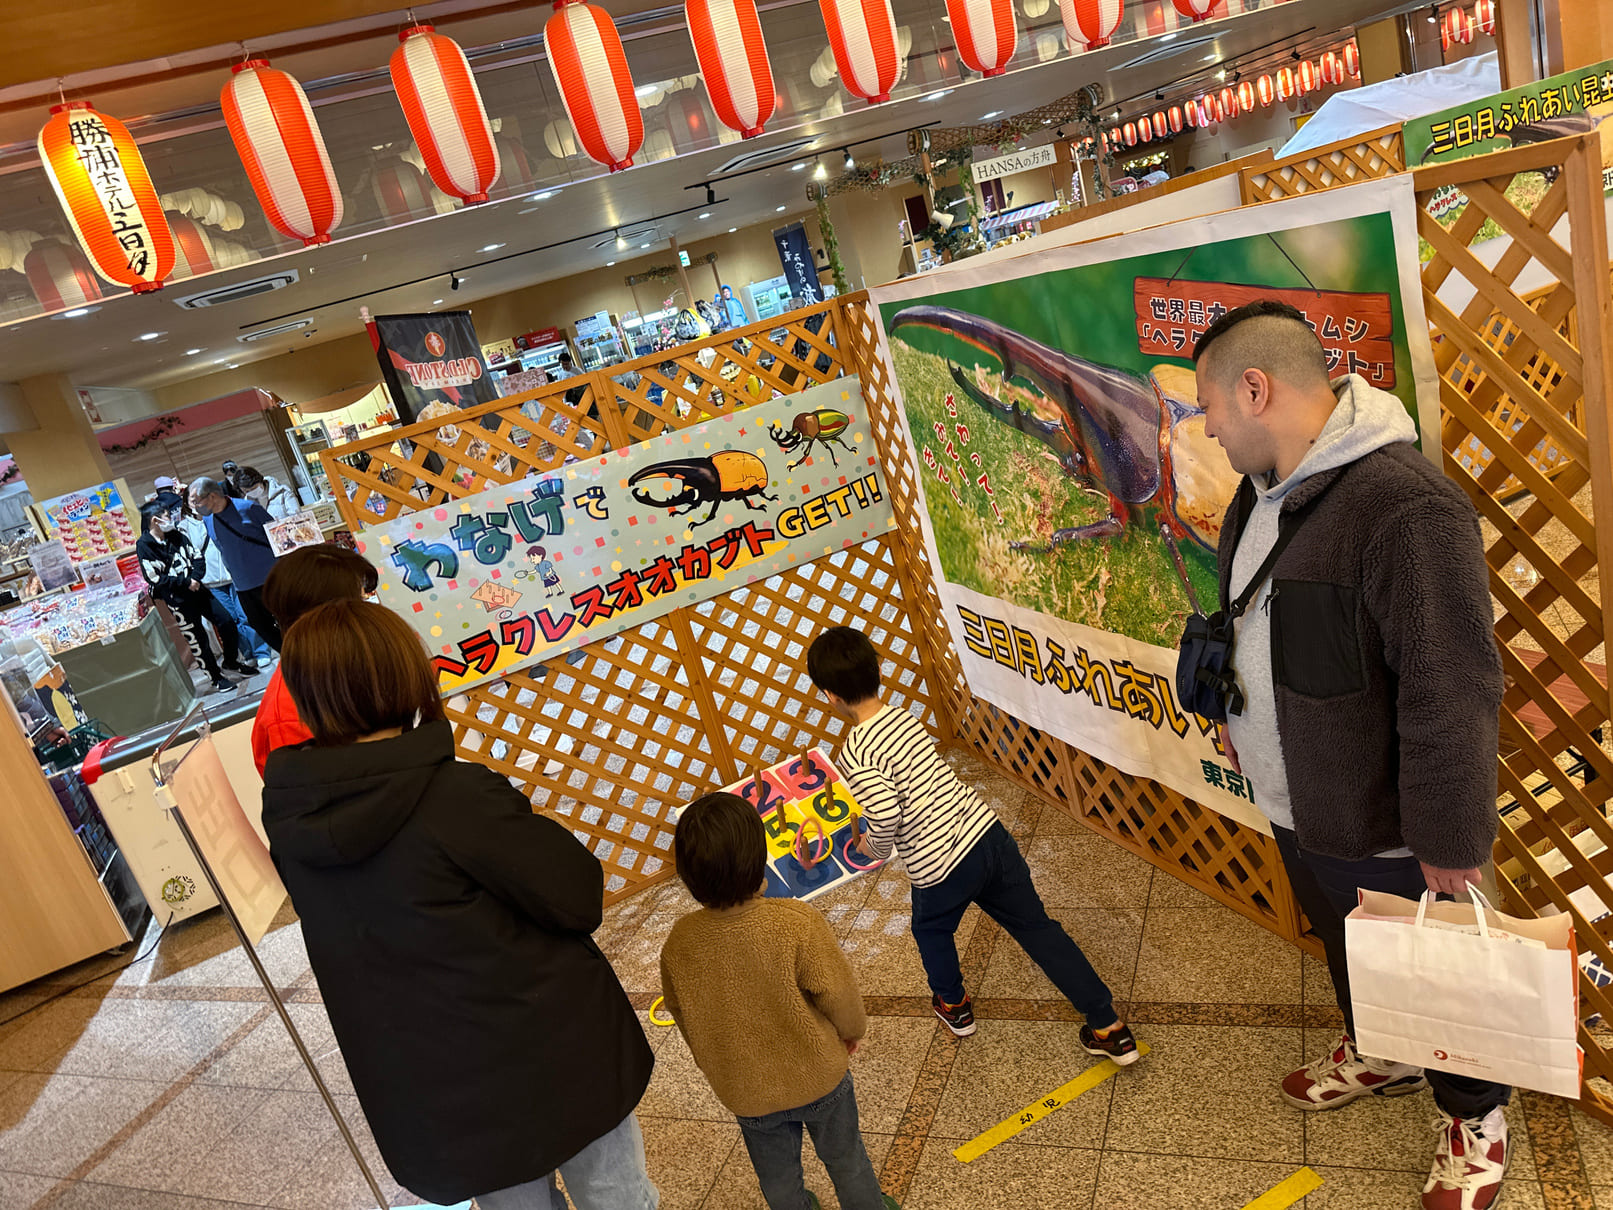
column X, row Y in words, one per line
column 105, row 349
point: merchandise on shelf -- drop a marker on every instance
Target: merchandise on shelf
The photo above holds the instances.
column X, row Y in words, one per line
column 64, row 621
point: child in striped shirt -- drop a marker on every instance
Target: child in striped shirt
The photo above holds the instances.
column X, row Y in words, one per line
column 955, row 850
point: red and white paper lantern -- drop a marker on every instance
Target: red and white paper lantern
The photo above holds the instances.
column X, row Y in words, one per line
column 1195, row 10
column 1309, row 78
column 1160, row 124
column 1265, row 91
column 1246, row 97
column 985, row 33
column 727, row 37
column 1090, row 22
column 1484, row 13
column 1176, row 119
column 1332, row 65
column 60, row 276
column 113, row 210
column 862, row 34
column 1130, row 132
column 1145, row 129
column 193, row 250
column 590, row 69
column 275, row 134
column 1352, row 60
column 1190, row 114
column 444, row 110
column 1284, row 83
column 1228, row 97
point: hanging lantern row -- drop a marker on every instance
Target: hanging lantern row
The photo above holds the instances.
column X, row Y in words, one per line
column 727, row 36
column 985, row 32
column 444, row 110
column 1090, row 23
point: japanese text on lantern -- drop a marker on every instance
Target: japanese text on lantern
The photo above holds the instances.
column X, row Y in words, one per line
column 1356, row 330
column 98, row 155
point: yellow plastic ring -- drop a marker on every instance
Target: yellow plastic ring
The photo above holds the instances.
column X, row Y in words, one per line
column 655, row 1020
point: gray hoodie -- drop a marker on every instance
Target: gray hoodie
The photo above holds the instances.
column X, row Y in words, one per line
column 1366, row 419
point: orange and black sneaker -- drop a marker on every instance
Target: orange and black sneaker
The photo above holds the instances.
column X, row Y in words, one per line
column 1115, row 1043
column 959, row 1018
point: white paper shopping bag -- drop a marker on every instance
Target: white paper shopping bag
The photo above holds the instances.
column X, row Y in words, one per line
column 1458, row 987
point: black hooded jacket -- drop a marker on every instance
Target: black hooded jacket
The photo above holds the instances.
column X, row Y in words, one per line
column 169, row 563
column 488, row 1038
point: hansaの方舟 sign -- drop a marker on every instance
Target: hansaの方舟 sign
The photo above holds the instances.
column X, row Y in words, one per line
column 1018, row 161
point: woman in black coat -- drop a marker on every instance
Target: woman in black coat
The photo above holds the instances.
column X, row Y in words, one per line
column 489, row 1041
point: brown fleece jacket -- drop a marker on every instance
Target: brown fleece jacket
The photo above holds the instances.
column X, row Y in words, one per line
column 763, row 996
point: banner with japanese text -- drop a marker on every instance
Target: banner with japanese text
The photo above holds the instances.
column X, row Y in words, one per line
column 520, row 574
column 1073, row 500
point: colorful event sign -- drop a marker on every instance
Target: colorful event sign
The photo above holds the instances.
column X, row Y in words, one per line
column 806, row 792
column 523, row 573
column 1073, row 500
column 91, row 523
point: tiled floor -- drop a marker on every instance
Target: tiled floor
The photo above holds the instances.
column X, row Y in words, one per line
column 171, row 1085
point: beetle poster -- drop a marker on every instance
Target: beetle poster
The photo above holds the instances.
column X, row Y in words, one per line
column 1073, row 500
column 523, row 573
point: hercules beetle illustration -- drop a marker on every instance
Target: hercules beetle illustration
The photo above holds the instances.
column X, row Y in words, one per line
column 726, row 475
column 1119, row 435
column 821, row 427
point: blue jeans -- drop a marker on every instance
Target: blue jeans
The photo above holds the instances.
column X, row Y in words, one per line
column 251, row 644
column 1325, row 888
column 774, row 1143
column 994, row 875
column 608, row 1174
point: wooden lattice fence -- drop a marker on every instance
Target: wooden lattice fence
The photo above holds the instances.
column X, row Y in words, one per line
column 1379, row 154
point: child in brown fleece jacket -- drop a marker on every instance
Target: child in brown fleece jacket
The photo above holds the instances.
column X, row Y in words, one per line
column 770, row 1008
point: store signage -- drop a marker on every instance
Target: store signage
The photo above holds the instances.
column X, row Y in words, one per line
column 683, row 258
column 528, row 571
column 795, row 254
column 428, row 359
column 542, row 338
column 593, row 325
column 1014, row 162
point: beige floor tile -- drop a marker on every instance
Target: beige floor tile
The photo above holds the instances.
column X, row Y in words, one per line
column 636, row 955
column 685, row 1158
column 163, row 1151
column 656, row 1034
column 204, row 952
column 1602, row 1193
column 1318, row 983
column 679, row 1089
column 23, row 1189
column 332, row 1180
column 1008, row 1065
column 1212, row 955
column 841, row 904
column 1085, row 870
column 151, row 1039
column 737, row 1187
column 1110, row 938
column 1057, row 821
column 885, row 1068
column 1170, row 891
column 31, row 1043
column 1365, row 1189
column 1209, row 1091
column 880, row 945
column 49, row 1124
column 1595, row 1148
column 266, row 1058
column 251, row 1164
column 91, row 1195
column 1010, row 1175
column 1131, row 1181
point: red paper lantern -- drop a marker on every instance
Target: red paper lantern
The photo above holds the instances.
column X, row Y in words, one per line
column 862, row 34
column 60, row 276
column 1309, row 80
column 1160, row 124
column 727, row 36
column 1130, row 131
column 1228, row 97
column 1204, row 112
column 1176, row 119
column 985, row 33
column 1352, row 60
column 1265, row 91
column 1469, row 27
column 590, row 69
column 444, row 110
column 1484, row 11
column 193, row 250
column 1195, row 10
column 275, row 134
column 1333, row 67
column 1190, row 114
column 1246, row 97
column 1220, row 110
column 1284, row 83
column 114, row 210
column 1090, row 22
column 1145, row 129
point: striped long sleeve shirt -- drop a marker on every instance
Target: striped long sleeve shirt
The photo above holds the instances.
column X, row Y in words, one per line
column 910, row 798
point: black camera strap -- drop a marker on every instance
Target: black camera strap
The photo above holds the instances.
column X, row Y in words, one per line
column 1285, row 534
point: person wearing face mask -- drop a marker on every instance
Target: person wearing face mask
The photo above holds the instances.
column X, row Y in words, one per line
column 236, row 528
column 173, row 568
column 276, row 498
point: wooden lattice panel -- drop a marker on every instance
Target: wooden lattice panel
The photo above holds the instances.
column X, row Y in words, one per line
column 1381, row 153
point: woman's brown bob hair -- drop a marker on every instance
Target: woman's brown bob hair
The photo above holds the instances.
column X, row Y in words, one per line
column 312, row 575
column 353, row 669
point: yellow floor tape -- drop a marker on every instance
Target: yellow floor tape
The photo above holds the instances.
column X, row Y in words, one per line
column 1279, row 1197
column 1031, row 1114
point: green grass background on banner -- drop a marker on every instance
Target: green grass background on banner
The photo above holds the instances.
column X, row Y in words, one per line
column 1125, row 584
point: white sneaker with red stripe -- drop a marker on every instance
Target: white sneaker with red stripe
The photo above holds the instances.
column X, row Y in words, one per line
column 1341, row 1075
column 1469, row 1163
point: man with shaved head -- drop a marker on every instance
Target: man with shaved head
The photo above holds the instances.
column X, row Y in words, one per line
column 1370, row 679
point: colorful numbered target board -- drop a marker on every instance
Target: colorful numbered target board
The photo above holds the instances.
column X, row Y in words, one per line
column 811, row 821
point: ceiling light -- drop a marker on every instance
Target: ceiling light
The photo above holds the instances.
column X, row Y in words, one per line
column 731, row 230
column 150, row 335
column 232, row 365
column 621, row 240
column 1222, row 74
column 1433, row 14
column 609, row 263
column 778, row 209
column 644, row 90
column 454, row 281
column 1207, row 59
column 798, row 167
column 436, row 302
column 77, row 312
column 850, row 163
column 193, row 352
column 936, row 96
column 820, row 172
column 995, row 113
column 544, row 196
column 644, row 245
column 1047, row 121
column 1168, row 37
column 1115, row 115
column 705, row 214
column 491, row 247
column 711, row 196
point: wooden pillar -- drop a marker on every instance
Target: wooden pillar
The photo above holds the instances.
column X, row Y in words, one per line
column 683, row 275
column 1577, row 33
column 1515, row 43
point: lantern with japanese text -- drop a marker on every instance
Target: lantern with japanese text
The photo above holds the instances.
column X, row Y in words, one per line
column 727, row 36
column 193, row 249
column 1090, row 22
column 1265, row 91
column 444, row 110
column 1284, row 83
column 985, row 33
column 1176, row 119
column 1309, row 79
column 1246, row 97
column 1130, row 132
column 275, row 134
column 60, row 276
column 1195, row 10
column 862, row 34
column 1352, row 60
column 102, row 184
column 1484, row 13
column 590, row 69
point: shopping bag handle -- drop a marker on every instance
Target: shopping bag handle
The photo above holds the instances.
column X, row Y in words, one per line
column 1479, row 902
